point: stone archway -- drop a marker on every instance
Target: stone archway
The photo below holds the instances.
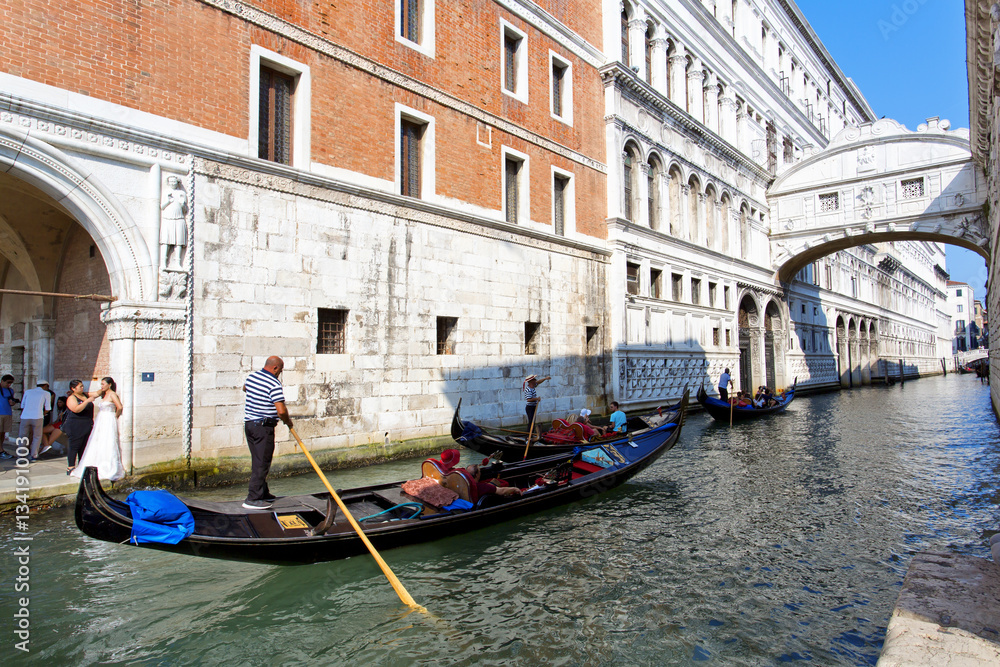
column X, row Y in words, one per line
column 748, row 322
column 774, row 346
column 843, row 354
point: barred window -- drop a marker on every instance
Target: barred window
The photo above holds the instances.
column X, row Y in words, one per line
column 446, row 327
column 715, row 336
column 829, row 202
column 274, row 128
column 512, row 173
column 409, row 20
column 332, row 333
column 559, row 186
column 912, row 188
column 411, row 134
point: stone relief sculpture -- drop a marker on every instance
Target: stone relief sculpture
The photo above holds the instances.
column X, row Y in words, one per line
column 173, row 225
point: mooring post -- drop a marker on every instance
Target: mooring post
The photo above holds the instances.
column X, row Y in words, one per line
column 900, row 372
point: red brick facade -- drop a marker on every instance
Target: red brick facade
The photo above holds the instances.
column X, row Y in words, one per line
column 188, row 60
column 81, row 343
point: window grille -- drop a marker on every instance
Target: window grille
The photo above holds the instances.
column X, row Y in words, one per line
column 913, row 188
column 410, row 136
column 558, row 74
column 510, row 46
column 627, row 175
column 446, row 334
column 559, row 185
column 409, row 21
column 512, row 170
column 715, row 336
column 274, row 128
column 829, row 202
column 332, row 333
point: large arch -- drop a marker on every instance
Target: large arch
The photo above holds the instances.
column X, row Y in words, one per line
column 879, row 182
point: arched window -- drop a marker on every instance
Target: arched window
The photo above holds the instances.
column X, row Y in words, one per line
column 711, row 225
column 745, row 231
column 695, row 223
column 625, row 58
column 628, row 182
column 653, row 193
column 724, row 224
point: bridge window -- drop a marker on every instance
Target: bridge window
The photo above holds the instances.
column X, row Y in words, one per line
column 829, row 202
column 912, row 188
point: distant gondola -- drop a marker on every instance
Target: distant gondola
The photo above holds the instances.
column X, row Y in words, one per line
column 721, row 410
column 512, row 448
column 306, row 529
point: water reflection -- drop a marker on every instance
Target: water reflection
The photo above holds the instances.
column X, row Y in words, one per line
column 769, row 542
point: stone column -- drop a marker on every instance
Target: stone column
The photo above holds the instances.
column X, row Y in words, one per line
column 642, row 196
column 701, row 235
column 712, row 102
column 658, row 77
column 727, row 116
column 855, row 353
column 637, row 45
column 685, row 208
column 678, row 77
column 696, row 91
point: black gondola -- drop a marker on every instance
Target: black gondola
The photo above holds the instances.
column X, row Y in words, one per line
column 305, row 529
column 721, row 410
column 512, row 448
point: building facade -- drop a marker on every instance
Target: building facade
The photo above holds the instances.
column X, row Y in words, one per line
column 425, row 201
column 961, row 307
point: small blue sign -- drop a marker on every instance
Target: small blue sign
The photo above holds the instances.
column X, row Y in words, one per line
column 148, row 377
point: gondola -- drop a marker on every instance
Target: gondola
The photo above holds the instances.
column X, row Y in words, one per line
column 307, row 529
column 512, row 448
column 720, row 410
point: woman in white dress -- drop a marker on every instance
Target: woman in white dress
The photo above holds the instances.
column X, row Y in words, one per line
column 103, row 450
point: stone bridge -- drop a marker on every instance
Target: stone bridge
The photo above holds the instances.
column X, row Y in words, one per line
column 880, row 182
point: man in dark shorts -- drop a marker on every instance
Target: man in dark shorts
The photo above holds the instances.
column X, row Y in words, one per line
column 265, row 405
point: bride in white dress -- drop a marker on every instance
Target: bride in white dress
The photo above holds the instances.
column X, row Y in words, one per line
column 103, row 449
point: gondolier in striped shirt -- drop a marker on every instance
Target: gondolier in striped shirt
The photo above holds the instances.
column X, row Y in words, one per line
column 265, row 405
column 529, row 391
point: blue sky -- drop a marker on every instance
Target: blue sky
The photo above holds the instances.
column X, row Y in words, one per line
column 908, row 59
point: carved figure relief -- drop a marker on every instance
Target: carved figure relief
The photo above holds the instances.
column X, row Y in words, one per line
column 866, row 198
column 173, row 225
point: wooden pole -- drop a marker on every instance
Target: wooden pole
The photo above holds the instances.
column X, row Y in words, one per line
column 527, row 443
column 91, row 297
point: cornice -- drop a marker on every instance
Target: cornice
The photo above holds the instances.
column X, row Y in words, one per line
column 980, row 70
column 294, row 33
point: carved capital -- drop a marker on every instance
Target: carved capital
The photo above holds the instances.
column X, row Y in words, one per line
column 144, row 322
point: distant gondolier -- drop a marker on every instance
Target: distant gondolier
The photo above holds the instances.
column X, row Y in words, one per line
column 530, row 393
column 265, row 405
column 725, row 380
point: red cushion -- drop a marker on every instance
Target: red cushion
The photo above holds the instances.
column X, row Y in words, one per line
column 586, row 467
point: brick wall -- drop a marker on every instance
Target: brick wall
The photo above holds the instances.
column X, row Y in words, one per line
column 81, row 345
column 186, row 60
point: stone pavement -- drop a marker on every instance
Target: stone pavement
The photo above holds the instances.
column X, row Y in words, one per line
column 48, row 482
column 947, row 614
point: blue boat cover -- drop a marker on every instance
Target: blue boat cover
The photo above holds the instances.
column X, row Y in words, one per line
column 470, row 432
column 159, row 516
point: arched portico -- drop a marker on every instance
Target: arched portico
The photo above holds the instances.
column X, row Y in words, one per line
column 879, row 182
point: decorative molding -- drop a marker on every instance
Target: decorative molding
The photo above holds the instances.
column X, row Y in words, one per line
column 318, row 44
column 144, row 322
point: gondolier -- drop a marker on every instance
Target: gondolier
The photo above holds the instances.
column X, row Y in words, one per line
column 265, row 405
column 724, row 381
column 530, row 393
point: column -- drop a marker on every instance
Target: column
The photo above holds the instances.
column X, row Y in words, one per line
column 678, row 77
column 658, row 77
column 701, row 235
column 712, row 102
column 696, row 91
column 685, row 209
column 637, row 44
column 642, row 196
column 727, row 116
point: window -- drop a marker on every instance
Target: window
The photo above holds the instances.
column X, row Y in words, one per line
column 854, row 287
column 446, row 334
column 803, row 309
column 331, row 336
column 725, row 300
column 912, row 188
column 676, row 286
column 415, row 25
column 696, row 291
column 727, row 338
column 656, row 283
column 715, row 336
column 279, row 108
column 410, row 135
column 829, row 202
column 560, row 185
column 958, row 292
column 515, row 203
column 631, row 278
column 712, row 292
column 274, row 124
column 562, row 88
column 960, row 308
column 627, row 178
column 531, row 337
column 591, row 341
column 514, row 72
column 624, row 29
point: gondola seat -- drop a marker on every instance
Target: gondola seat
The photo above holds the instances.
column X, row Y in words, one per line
column 461, row 482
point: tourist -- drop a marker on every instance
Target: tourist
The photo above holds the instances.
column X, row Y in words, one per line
column 34, row 404
column 265, row 405
column 618, row 418
column 7, row 402
column 51, row 432
column 530, row 394
column 589, row 430
column 103, row 450
column 486, row 488
column 78, row 424
column 725, row 380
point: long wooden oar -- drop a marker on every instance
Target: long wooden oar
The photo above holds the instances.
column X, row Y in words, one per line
column 400, row 591
column 730, row 413
column 527, row 443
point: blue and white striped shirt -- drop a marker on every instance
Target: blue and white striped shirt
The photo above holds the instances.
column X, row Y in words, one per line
column 529, row 393
column 263, row 391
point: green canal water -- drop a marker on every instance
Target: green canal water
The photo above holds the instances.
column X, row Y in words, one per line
column 768, row 543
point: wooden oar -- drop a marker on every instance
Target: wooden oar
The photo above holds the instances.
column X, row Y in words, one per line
column 400, row 591
column 730, row 413
column 527, row 443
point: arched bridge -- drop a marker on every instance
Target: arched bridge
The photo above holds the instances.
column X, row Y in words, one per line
column 880, row 182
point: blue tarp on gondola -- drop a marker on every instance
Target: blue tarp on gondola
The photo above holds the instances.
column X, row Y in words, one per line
column 159, row 516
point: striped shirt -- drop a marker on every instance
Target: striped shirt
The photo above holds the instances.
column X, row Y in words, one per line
column 530, row 393
column 263, row 391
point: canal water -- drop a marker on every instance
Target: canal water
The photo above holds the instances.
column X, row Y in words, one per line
column 781, row 541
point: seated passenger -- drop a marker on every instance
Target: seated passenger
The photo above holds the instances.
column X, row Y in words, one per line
column 744, row 400
column 589, row 430
column 618, row 418
column 486, row 488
